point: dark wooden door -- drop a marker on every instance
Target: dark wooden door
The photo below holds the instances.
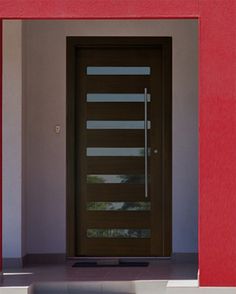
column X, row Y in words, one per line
column 121, row 204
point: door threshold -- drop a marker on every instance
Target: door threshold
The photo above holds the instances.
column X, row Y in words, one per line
column 110, row 263
column 118, row 258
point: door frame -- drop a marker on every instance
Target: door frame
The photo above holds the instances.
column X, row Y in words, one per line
column 83, row 42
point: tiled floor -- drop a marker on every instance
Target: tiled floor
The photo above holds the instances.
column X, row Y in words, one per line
column 125, row 287
column 157, row 270
column 160, row 277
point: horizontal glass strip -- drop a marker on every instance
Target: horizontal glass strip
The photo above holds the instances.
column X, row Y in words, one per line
column 115, row 179
column 107, row 124
column 92, row 151
column 109, row 97
column 125, row 206
column 118, row 233
column 118, row 70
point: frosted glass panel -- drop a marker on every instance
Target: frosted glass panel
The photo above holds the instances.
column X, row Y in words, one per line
column 118, row 70
column 106, row 97
column 118, row 233
column 127, row 206
column 115, row 151
column 107, row 124
column 115, row 179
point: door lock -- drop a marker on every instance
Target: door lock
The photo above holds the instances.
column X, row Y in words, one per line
column 155, row 151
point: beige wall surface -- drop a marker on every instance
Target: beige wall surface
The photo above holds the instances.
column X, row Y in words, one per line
column 44, row 102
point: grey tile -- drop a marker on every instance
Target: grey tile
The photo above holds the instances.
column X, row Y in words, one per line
column 48, row 288
column 114, row 287
column 150, row 287
column 84, row 288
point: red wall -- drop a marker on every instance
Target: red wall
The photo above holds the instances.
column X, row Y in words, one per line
column 0, row 146
column 217, row 216
column 83, row 9
column 217, row 236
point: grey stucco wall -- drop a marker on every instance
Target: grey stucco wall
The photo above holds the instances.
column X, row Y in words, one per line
column 12, row 139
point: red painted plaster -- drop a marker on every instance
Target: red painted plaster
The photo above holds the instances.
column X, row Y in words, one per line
column 217, row 235
column 217, row 221
column 98, row 9
column 0, row 145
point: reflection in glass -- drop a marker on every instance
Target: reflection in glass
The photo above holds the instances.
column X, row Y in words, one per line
column 115, row 151
column 130, row 206
column 110, row 97
column 115, row 179
column 112, row 124
column 118, row 70
column 118, row 233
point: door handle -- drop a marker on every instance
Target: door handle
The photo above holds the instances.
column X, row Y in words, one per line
column 146, row 143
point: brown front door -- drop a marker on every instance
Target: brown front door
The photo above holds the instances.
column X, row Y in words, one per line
column 122, row 147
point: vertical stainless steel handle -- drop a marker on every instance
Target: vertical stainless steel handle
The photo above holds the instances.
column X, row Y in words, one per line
column 146, row 142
